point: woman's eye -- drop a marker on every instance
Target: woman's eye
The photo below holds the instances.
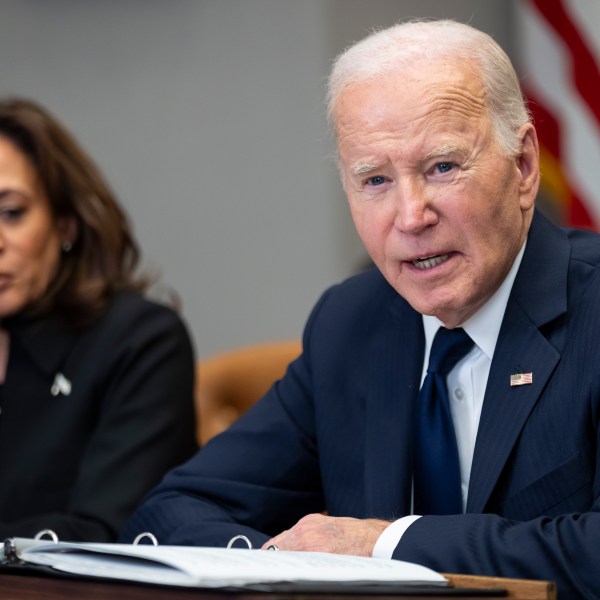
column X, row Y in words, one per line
column 376, row 180
column 11, row 214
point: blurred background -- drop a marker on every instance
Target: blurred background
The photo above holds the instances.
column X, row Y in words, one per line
column 207, row 117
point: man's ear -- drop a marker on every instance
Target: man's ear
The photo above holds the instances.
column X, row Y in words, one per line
column 528, row 165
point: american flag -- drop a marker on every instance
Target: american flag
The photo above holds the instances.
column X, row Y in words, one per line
column 558, row 58
column 521, row 379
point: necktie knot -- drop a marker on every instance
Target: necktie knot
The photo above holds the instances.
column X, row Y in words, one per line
column 449, row 346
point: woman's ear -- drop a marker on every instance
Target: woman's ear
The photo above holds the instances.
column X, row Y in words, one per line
column 68, row 230
column 528, row 165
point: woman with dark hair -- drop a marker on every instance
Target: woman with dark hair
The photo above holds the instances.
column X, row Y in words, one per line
column 96, row 382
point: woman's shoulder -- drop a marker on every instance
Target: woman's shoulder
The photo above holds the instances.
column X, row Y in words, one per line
column 130, row 312
column 128, row 304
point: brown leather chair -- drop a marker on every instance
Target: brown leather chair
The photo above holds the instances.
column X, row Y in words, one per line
column 229, row 383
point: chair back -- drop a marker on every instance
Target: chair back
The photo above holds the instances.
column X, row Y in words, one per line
column 228, row 384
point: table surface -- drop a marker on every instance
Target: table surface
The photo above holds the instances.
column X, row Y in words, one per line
column 15, row 586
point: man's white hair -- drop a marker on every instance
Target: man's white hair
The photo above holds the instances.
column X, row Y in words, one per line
column 402, row 45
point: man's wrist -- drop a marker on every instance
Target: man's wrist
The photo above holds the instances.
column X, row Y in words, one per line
column 391, row 535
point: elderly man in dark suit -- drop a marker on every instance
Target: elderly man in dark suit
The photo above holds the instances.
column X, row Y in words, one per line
column 445, row 408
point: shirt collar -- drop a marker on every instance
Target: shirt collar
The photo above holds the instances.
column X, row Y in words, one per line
column 484, row 326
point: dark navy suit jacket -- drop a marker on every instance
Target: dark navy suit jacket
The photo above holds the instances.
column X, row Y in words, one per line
column 335, row 433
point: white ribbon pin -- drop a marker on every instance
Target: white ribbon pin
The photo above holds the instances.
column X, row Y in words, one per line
column 61, row 385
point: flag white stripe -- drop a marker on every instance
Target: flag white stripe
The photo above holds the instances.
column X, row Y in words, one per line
column 545, row 71
column 585, row 14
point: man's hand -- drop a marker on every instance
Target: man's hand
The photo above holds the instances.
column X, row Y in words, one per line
column 341, row 535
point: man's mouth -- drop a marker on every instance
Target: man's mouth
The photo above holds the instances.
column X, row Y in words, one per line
column 430, row 261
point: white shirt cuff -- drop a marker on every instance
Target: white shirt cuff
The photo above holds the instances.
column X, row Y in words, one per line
column 391, row 536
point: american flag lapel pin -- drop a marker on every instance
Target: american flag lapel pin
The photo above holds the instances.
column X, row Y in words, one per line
column 521, row 379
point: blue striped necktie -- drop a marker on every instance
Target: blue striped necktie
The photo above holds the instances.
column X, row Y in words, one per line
column 437, row 486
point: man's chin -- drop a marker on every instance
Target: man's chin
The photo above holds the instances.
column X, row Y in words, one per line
column 446, row 312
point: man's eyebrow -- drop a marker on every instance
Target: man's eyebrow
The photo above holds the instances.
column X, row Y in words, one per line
column 444, row 150
column 358, row 169
column 363, row 168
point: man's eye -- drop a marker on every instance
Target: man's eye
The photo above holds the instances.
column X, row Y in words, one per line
column 444, row 167
column 376, row 180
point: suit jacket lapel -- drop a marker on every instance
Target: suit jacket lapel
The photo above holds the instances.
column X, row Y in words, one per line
column 395, row 364
column 538, row 297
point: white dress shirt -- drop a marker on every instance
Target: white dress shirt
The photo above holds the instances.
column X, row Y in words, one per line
column 466, row 388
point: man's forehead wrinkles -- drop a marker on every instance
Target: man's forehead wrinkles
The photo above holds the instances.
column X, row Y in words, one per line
column 460, row 101
column 442, row 126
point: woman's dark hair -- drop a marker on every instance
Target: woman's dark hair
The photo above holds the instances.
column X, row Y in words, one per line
column 104, row 254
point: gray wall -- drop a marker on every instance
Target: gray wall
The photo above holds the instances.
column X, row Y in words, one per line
column 207, row 118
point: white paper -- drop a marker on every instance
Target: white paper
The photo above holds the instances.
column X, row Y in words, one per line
column 220, row 567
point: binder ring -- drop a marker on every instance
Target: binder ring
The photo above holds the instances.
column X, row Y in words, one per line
column 146, row 534
column 40, row 534
column 10, row 551
column 239, row 537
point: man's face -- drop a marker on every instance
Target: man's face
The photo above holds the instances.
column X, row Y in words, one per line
column 440, row 209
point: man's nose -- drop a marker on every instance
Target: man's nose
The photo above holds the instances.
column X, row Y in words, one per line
column 414, row 209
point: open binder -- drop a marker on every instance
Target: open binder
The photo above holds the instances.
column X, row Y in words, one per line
column 227, row 569
column 222, row 568
column 233, row 568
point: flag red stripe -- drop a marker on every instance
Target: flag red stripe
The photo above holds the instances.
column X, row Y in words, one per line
column 549, row 133
column 584, row 67
column 578, row 214
column 545, row 124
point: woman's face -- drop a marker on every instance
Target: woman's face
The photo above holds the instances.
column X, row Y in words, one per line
column 30, row 236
